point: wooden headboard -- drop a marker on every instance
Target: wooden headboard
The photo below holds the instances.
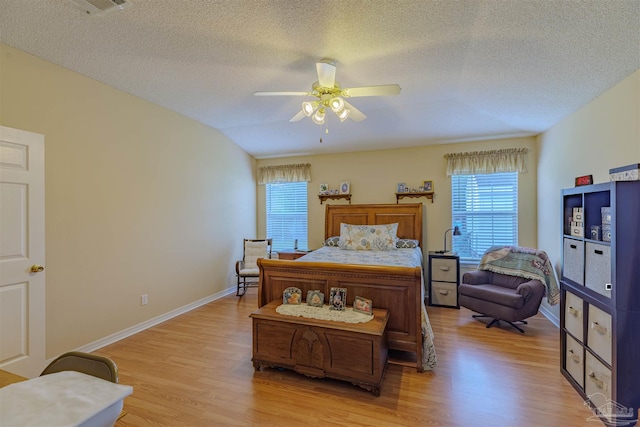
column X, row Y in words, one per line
column 408, row 216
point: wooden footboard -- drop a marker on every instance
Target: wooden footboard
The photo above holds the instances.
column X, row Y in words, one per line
column 398, row 289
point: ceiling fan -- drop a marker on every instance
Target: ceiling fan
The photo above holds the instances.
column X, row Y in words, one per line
column 330, row 96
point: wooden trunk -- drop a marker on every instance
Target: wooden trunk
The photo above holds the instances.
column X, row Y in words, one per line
column 353, row 352
column 397, row 289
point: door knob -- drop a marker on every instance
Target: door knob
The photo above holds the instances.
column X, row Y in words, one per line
column 37, row 268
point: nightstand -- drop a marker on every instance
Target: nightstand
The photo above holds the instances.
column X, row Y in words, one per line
column 444, row 277
column 291, row 254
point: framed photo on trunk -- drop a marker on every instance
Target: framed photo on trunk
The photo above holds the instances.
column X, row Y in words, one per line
column 338, row 299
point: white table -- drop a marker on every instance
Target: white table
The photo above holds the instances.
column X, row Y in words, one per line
column 66, row 398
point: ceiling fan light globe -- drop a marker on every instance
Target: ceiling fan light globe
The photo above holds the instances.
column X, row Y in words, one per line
column 308, row 108
column 336, row 104
column 318, row 117
column 343, row 114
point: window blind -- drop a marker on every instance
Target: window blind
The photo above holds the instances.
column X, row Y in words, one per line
column 485, row 207
column 287, row 215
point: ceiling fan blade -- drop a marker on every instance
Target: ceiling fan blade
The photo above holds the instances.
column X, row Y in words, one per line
column 298, row 116
column 382, row 90
column 355, row 114
column 326, row 74
column 282, row 94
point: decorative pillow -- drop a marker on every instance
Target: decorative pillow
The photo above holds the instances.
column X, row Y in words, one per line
column 332, row 241
column 368, row 237
column 406, row 243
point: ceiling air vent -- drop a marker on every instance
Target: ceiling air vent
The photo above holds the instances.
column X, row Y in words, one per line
column 95, row 7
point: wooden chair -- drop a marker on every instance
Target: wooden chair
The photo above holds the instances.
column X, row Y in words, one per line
column 247, row 268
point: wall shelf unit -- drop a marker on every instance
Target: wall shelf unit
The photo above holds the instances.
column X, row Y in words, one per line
column 428, row 195
column 324, row 197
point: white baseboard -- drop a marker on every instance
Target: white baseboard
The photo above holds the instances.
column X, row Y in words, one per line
column 546, row 313
column 152, row 322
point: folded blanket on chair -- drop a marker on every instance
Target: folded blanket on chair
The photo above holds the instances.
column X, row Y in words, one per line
column 523, row 262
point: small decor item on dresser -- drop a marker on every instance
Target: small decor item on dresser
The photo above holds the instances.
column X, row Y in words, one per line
column 584, row 180
column 338, row 299
column 292, row 295
column 625, row 173
column 363, row 305
column 315, row 298
column 428, row 186
column 324, row 189
column 400, row 188
column 345, row 188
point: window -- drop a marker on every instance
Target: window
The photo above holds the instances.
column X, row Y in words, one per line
column 287, row 214
column 485, row 207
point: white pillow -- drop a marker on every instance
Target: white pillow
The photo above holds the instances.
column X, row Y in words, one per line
column 368, row 237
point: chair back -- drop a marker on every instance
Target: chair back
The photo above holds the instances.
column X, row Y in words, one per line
column 254, row 249
column 86, row 363
column 507, row 281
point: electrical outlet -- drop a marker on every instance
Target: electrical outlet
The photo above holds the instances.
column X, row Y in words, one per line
column 144, row 299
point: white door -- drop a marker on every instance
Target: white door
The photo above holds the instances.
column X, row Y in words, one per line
column 22, row 304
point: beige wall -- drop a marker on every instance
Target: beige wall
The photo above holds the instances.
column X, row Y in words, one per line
column 375, row 174
column 604, row 134
column 138, row 201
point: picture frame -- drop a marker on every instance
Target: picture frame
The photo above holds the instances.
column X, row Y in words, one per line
column 427, row 186
column 363, row 305
column 315, row 298
column 338, row 299
column 400, row 188
column 345, row 188
column 324, row 188
column 292, row 295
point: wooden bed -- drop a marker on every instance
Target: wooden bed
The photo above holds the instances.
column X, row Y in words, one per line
column 398, row 289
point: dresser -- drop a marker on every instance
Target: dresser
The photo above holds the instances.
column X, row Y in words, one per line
column 444, row 277
column 600, row 297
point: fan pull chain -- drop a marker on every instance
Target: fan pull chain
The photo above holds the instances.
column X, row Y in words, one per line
column 326, row 131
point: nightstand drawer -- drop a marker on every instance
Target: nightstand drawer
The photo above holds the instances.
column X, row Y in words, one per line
column 444, row 270
column 444, row 293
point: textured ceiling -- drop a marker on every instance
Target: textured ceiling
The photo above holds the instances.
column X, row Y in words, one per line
column 468, row 69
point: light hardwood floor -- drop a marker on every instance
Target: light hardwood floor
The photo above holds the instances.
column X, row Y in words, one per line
column 196, row 370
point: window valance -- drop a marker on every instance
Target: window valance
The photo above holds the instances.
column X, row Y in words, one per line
column 300, row 172
column 494, row 161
